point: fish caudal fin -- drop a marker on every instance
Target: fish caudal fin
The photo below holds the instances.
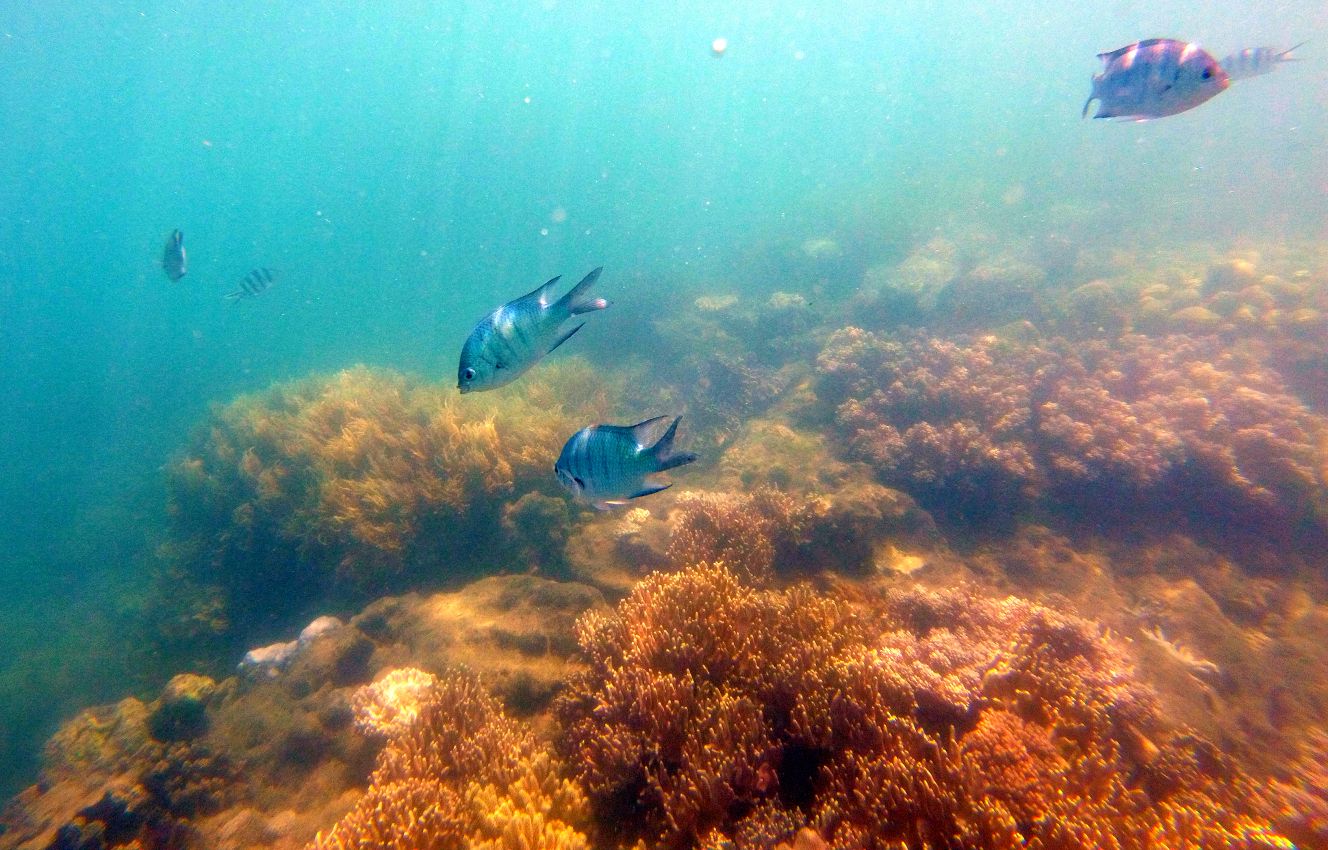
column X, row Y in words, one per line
column 576, row 301
column 663, row 449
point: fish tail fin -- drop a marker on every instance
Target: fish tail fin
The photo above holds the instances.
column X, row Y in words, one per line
column 1285, row 56
column 663, row 450
column 576, row 302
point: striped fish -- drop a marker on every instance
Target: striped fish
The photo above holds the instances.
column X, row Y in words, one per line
column 173, row 259
column 607, row 464
column 514, row 337
column 1153, row 79
column 253, row 284
column 1257, row 61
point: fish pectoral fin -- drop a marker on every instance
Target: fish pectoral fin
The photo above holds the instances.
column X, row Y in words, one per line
column 565, row 337
column 608, row 504
column 648, row 489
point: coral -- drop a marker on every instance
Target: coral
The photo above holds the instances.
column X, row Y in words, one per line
column 715, row 713
column 950, row 423
column 750, row 533
column 462, row 774
column 972, row 427
column 393, row 702
column 1299, row 805
column 327, row 488
column 181, row 709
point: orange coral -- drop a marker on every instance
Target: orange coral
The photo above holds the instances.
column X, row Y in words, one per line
column 712, row 713
column 748, row 532
column 463, row 775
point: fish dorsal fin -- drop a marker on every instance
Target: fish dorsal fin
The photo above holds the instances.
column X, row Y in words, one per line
column 649, row 432
column 1138, row 45
column 539, row 295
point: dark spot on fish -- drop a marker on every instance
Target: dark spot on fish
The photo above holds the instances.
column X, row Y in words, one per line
column 578, row 481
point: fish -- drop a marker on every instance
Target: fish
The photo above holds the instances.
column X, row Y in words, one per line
column 1257, row 61
column 173, row 259
column 608, row 465
column 513, row 338
column 1155, row 78
column 253, row 284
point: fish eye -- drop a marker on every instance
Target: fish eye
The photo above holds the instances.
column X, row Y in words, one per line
column 1208, row 73
column 469, row 374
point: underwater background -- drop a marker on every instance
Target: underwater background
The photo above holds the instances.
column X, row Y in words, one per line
column 852, row 194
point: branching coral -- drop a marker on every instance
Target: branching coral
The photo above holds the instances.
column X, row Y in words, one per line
column 751, row 533
column 328, row 486
column 390, row 705
column 715, row 713
column 1299, row 806
column 463, row 775
column 991, row 424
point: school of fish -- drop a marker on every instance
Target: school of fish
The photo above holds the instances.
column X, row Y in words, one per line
column 609, row 465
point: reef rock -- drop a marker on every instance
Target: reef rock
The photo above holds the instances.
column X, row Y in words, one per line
column 270, row 760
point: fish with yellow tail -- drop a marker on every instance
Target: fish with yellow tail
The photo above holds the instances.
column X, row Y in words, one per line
column 1155, row 78
column 609, row 465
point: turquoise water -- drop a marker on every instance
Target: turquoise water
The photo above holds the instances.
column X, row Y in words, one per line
column 407, row 167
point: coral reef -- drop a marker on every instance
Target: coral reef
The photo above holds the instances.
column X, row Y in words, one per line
column 268, row 760
column 462, row 774
column 748, row 532
column 394, row 702
column 320, row 490
column 714, row 712
column 983, row 426
column 1299, row 806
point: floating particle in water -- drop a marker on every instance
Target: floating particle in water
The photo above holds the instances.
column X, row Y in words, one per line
column 718, row 46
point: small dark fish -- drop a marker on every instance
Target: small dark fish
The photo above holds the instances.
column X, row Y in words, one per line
column 173, row 259
column 514, row 337
column 1257, row 61
column 1155, row 78
column 607, row 464
column 253, row 284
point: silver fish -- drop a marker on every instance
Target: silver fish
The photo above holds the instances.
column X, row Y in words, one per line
column 1257, row 61
column 253, row 284
column 514, row 337
column 173, row 259
column 607, row 464
column 1155, row 78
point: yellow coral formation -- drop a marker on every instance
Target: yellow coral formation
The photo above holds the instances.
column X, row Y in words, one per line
column 333, row 485
column 391, row 704
column 463, row 775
